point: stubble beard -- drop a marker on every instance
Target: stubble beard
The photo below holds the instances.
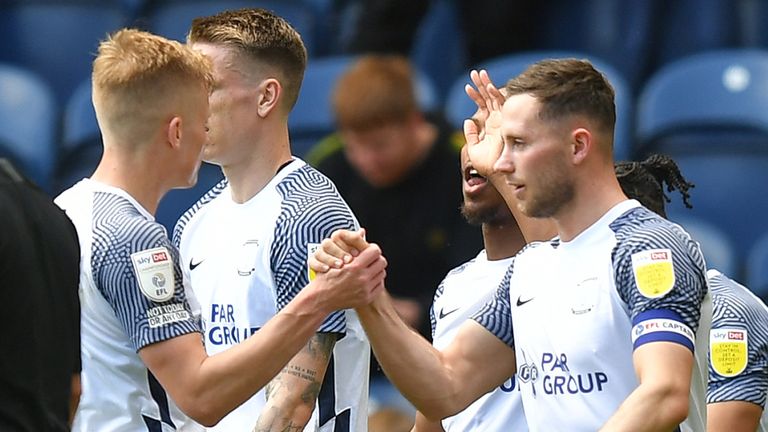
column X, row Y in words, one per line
column 555, row 192
column 477, row 215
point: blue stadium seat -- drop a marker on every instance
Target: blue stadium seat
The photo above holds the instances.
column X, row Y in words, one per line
column 620, row 32
column 717, row 248
column 177, row 201
column 328, row 32
column 28, row 121
column 458, row 106
column 709, row 25
column 57, row 39
column 81, row 147
column 172, row 18
column 80, row 126
column 718, row 89
column 312, row 118
column 439, row 47
column 710, row 113
column 757, row 267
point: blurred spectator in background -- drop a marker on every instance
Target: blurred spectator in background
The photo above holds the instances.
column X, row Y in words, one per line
column 389, row 26
column 39, row 276
column 398, row 172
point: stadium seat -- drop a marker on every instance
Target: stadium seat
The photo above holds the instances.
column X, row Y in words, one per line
column 80, row 126
column 80, row 149
column 28, row 121
column 757, row 267
column 717, row 248
column 312, row 118
column 710, row 113
column 619, row 32
column 328, row 31
column 172, row 18
column 439, row 48
column 459, row 107
column 57, row 40
column 177, row 201
column 709, row 25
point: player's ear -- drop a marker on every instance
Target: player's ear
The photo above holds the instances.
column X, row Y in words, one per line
column 270, row 93
column 581, row 144
column 173, row 132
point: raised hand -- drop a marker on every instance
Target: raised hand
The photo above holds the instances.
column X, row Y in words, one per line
column 482, row 132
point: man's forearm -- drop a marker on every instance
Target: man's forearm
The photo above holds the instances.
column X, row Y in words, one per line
column 660, row 401
column 292, row 394
column 649, row 409
column 410, row 362
column 208, row 388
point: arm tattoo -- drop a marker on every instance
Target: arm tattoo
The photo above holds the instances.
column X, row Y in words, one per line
column 270, row 422
column 277, row 418
column 321, row 345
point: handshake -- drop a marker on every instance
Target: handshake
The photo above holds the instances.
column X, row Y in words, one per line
column 349, row 271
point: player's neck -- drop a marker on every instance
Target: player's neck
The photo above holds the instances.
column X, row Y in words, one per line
column 502, row 241
column 261, row 160
column 147, row 189
column 591, row 202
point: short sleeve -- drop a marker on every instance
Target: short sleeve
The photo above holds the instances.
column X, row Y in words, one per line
column 738, row 345
column 496, row 315
column 660, row 275
column 311, row 211
column 136, row 270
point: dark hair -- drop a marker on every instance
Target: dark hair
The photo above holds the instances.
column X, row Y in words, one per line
column 565, row 87
column 644, row 181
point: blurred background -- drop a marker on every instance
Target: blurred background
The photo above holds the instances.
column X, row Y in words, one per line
column 691, row 78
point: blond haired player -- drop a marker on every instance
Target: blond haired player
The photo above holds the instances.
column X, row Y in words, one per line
column 144, row 364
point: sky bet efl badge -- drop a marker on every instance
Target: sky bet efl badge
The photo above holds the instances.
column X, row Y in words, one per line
column 654, row 273
column 154, row 271
column 311, row 248
column 728, row 351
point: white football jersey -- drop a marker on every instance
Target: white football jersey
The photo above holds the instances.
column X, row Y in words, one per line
column 131, row 295
column 738, row 345
column 575, row 312
column 246, row 261
column 463, row 292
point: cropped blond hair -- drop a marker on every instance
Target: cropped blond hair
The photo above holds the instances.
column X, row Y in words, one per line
column 139, row 78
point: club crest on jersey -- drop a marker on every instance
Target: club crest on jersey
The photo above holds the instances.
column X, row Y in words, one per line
column 246, row 264
column 311, row 248
column 728, row 351
column 585, row 296
column 654, row 272
column 154, row 273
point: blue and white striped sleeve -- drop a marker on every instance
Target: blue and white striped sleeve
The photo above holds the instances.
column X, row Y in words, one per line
column 660, row 275
column 311, row 211
column 496, row 315
column 136, row 270
column 738, row 359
